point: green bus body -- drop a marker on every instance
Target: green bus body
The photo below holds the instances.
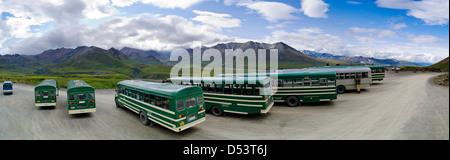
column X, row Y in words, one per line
column 232, row 95
column 45, row 94
column 175, row 107
column 297, row 87
column 378, row 72
column 80, row 97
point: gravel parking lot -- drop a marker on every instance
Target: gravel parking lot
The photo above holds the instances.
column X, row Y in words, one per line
column 405, row 105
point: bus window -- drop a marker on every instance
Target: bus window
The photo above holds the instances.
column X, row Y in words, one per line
column 91, row 95
column 158, row 101
column 358, row 75
column 165, row 103
column 44, row 93
column 71, row 97
column 307, row 82
column 227, row 89
column 331, row 82
column 280, row 83
column 323, row 81
column 341, row 75
column 200, row 100
column 38, row 93
column 237, row 89
column 219, row 88
column 248, row 90
column 298, row 83
column 347, row 75
column 287, row 83
column 81, row 97
column 52, row 93
column 180, row 105
column 146, row 98
column 152, row 99
column 365, row 75
column 190, row 102
column 314, row 82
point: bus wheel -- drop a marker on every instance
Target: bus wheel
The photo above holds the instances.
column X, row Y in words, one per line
column 117, row 103
column 340, row 89
column 216, row 111
column 143, row 118
column 292, row 101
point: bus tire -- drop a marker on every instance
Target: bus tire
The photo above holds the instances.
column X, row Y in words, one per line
column 117, row 103
column 216, row 111
column 292, row 101
column 341, row 89
column 143, row 118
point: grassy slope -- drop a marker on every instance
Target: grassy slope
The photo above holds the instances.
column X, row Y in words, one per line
column 442, row 66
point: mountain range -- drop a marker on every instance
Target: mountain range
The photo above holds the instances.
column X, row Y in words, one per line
column 363, row 60
column 136, row 63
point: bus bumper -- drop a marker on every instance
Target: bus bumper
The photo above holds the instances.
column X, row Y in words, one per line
column 267, row 109
column 44, row 104
column 189, row 125
column 79, row 111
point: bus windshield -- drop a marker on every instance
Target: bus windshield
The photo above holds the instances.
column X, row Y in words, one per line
column 7, row 86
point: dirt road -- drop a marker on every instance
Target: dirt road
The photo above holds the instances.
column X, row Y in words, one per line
column 405, row 105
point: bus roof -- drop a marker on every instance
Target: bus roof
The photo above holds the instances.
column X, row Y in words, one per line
column 347, row 69
column 161, row 88
column 7, row 82
column 226, row 80
column 77, row 84
column 311, row 73
column 370, row 66
column 47, row 82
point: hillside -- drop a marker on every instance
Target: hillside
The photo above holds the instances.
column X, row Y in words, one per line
column 442, row 65
column 98, row 61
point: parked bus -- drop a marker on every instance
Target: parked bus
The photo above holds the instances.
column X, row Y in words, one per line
column 80, row 97
column 378, row 72
column 175, row 107
column 7, row 87
column 296, row 87
column 346, row 78
column 45, row 93
column 251, row 95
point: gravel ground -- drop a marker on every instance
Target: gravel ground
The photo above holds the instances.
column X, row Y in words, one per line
column 405, row 105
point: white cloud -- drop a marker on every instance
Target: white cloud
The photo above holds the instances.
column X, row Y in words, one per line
column 183, row 4
column 379, row 33
column 98, row 9
column 123, row 3
column 418, row 49
column 216, row 19
column 272, row 11
column 353, row 2
column 163, row 34
column 432, row 12
column 314, row 8
column 399, row 26
column 421, row 39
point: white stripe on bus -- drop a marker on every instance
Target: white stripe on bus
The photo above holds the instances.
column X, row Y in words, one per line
column 176, row 120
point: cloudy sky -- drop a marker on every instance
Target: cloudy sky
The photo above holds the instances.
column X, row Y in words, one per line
column 413, row 30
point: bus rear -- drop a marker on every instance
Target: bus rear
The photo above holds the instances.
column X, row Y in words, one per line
column 190, row 108
column 45, row 96
column 7, row 87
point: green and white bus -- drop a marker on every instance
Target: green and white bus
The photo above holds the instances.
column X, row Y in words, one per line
column 346, row 78
column 378, row 72
column 252, row 95
column 175, row 107
column 80, row 97
column 296, row 87
column 45, row 94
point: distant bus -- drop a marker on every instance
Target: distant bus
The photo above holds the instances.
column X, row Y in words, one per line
column 378, row 72
column 346, row 78
column 80, row 97
column 7, row 87
column 45, row 93
column 175, row 107
column 296, row 87
column 232, row 95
